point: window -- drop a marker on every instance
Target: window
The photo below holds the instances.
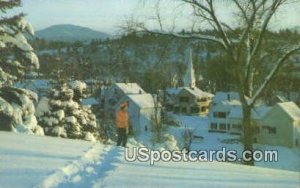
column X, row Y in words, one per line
column 195, row 109
column 183, row 99
column 214, row 126
column 269, row 129
column 222, row 126
column 219, row 114
column 202, row 99
column 203, row 109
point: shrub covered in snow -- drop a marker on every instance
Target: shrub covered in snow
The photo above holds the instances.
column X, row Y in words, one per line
column 60, row 115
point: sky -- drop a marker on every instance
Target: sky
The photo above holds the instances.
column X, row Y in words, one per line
column 108, row 15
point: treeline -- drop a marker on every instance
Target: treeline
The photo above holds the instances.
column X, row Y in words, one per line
column 154, row 61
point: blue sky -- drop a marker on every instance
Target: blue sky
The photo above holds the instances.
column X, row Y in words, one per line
column 107, row 15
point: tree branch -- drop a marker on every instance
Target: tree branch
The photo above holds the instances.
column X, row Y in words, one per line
column 267, row 80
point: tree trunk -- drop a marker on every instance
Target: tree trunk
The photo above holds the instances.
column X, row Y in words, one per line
column 248, row 133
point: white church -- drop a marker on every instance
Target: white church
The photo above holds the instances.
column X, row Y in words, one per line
column 188, row 99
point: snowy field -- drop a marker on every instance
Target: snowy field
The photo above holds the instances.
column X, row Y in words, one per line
column 33, row 161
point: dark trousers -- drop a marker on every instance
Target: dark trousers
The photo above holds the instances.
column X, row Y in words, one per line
column 122, row 137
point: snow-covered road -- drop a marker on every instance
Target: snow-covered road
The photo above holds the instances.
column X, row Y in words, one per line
column 31, row 161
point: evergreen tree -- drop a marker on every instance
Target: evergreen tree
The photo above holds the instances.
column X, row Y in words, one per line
column 16, row 56
column 60, row 115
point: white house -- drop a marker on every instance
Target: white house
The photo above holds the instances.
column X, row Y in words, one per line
column 222, row 105
column 142, row 109
column 226, row 113
column 280, row 126
column 112, row 95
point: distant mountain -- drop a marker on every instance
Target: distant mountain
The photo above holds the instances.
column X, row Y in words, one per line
column 68, row 32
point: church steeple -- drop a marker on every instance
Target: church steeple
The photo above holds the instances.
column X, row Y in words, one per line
column 189, row 78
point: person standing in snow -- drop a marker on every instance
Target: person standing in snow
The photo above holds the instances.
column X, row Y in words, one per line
column 122, row 124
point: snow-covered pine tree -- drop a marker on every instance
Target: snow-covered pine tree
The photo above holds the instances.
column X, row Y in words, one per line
column 60, row 115
column 16, row 55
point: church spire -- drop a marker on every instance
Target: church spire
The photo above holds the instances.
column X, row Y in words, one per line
column 189, row 79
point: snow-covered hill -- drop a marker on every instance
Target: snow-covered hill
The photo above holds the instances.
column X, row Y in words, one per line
column 33, row 161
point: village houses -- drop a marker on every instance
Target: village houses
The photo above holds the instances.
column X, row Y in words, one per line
column 274, row 125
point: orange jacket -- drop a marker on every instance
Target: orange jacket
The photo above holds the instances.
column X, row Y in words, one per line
column 122, row 119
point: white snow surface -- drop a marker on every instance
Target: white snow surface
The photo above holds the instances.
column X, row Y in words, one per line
column 32, row 161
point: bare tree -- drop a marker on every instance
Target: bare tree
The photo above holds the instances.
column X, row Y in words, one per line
column 243, row 44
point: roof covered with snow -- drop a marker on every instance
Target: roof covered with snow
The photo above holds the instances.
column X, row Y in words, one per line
column 130, row 88
column 143, row 100
column 89, row 101
column 197, row 92
column 256, row 113
column 291, row 109
column 173, row 91
column 226, row 96
column 38, row 84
